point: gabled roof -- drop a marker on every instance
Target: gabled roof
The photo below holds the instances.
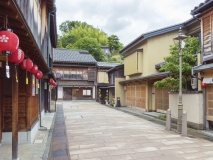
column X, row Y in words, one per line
column 144, row 36
column 107, row 64
column 115, row 68
column 72, row 56
column 202, row 7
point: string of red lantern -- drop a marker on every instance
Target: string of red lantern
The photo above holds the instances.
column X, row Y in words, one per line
column 9, row 43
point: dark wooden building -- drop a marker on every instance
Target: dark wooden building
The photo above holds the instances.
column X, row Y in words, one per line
column 75, row 71
column 102, row 79
column 113, row 73
column 21, row 101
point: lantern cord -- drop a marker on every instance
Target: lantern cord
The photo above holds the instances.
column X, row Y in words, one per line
column 6, row 21
column 7, row 68
column 16, row 73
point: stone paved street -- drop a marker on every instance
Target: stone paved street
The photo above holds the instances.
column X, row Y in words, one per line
column 98, row 132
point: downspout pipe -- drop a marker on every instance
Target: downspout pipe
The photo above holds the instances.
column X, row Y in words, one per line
column 204, row 108
column 39, row 102
column 48, row 36
column 40, row 123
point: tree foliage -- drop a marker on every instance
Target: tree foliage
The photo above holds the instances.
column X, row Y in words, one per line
column 75, row 34
column 75, row 30
column 113, row 43
column 91, row 45
column 172, row 64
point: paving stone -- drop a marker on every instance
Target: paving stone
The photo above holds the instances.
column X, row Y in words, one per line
column 59, row 153
column 38, row 141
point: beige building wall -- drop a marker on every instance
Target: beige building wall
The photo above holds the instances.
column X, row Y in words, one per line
column 142, row 63
column 119, row 91
column 102, row 77
column 157, row 49
column 192, row 104
column 133, row 64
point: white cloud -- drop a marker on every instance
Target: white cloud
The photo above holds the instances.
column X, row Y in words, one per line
column 127, row 19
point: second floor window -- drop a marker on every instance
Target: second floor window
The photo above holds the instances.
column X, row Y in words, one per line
column 73, row 74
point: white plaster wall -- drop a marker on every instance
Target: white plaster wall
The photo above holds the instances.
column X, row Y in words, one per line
column 93, row 92
column 60, row 92
column 23, row 137
column 192, row 104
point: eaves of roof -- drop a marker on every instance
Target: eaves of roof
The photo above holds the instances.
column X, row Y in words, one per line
column 115, row 68
column 203, row 67
column 158, row 32
column 202, row 7
column 151, row 76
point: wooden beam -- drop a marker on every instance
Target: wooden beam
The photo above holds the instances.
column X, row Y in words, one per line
column 14, row 112
column 1, row 101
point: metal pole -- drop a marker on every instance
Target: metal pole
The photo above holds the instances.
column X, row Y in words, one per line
column 180, row 105
column 180, row 38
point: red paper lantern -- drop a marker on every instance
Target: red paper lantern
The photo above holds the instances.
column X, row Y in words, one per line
column 9, row 42
column 203, row 84
column 39, row 74
column 17, row 56
column 26, row 64
column 51, row 81
column 34, row 69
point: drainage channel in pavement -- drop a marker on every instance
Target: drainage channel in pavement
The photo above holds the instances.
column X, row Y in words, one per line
column 59, row 143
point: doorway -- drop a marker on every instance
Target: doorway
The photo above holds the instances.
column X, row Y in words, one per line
column 67, row 93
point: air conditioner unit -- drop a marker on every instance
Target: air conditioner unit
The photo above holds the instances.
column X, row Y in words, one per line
column 194, row 83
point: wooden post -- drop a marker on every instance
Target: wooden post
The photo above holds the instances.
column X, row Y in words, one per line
column 184, row 124
column 1, row 101
column 14, row 112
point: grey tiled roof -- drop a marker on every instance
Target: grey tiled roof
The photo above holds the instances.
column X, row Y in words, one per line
column 72, row 56
column 167, row 29
column 202, row 7
column 107, row 64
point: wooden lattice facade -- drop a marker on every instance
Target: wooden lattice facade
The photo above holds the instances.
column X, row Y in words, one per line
column 136, row 96
column 209, row 103
column 161, row 99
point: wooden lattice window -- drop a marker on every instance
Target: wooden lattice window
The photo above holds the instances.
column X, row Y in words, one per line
column 207, row 33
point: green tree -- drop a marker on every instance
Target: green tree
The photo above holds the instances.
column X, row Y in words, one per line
column 75, row 30
column 113, row 43
column 172, row 64
column 68, row 25
column 91, row 45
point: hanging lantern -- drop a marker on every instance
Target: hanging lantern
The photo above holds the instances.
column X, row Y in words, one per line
column 34, row 69
column 51, row 81
column 9, row 42
column 17, row 56
column 39, row 74
column 26, row 64
column 203, row 84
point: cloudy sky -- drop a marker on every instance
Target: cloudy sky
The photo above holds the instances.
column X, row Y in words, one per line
column 127, row 19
